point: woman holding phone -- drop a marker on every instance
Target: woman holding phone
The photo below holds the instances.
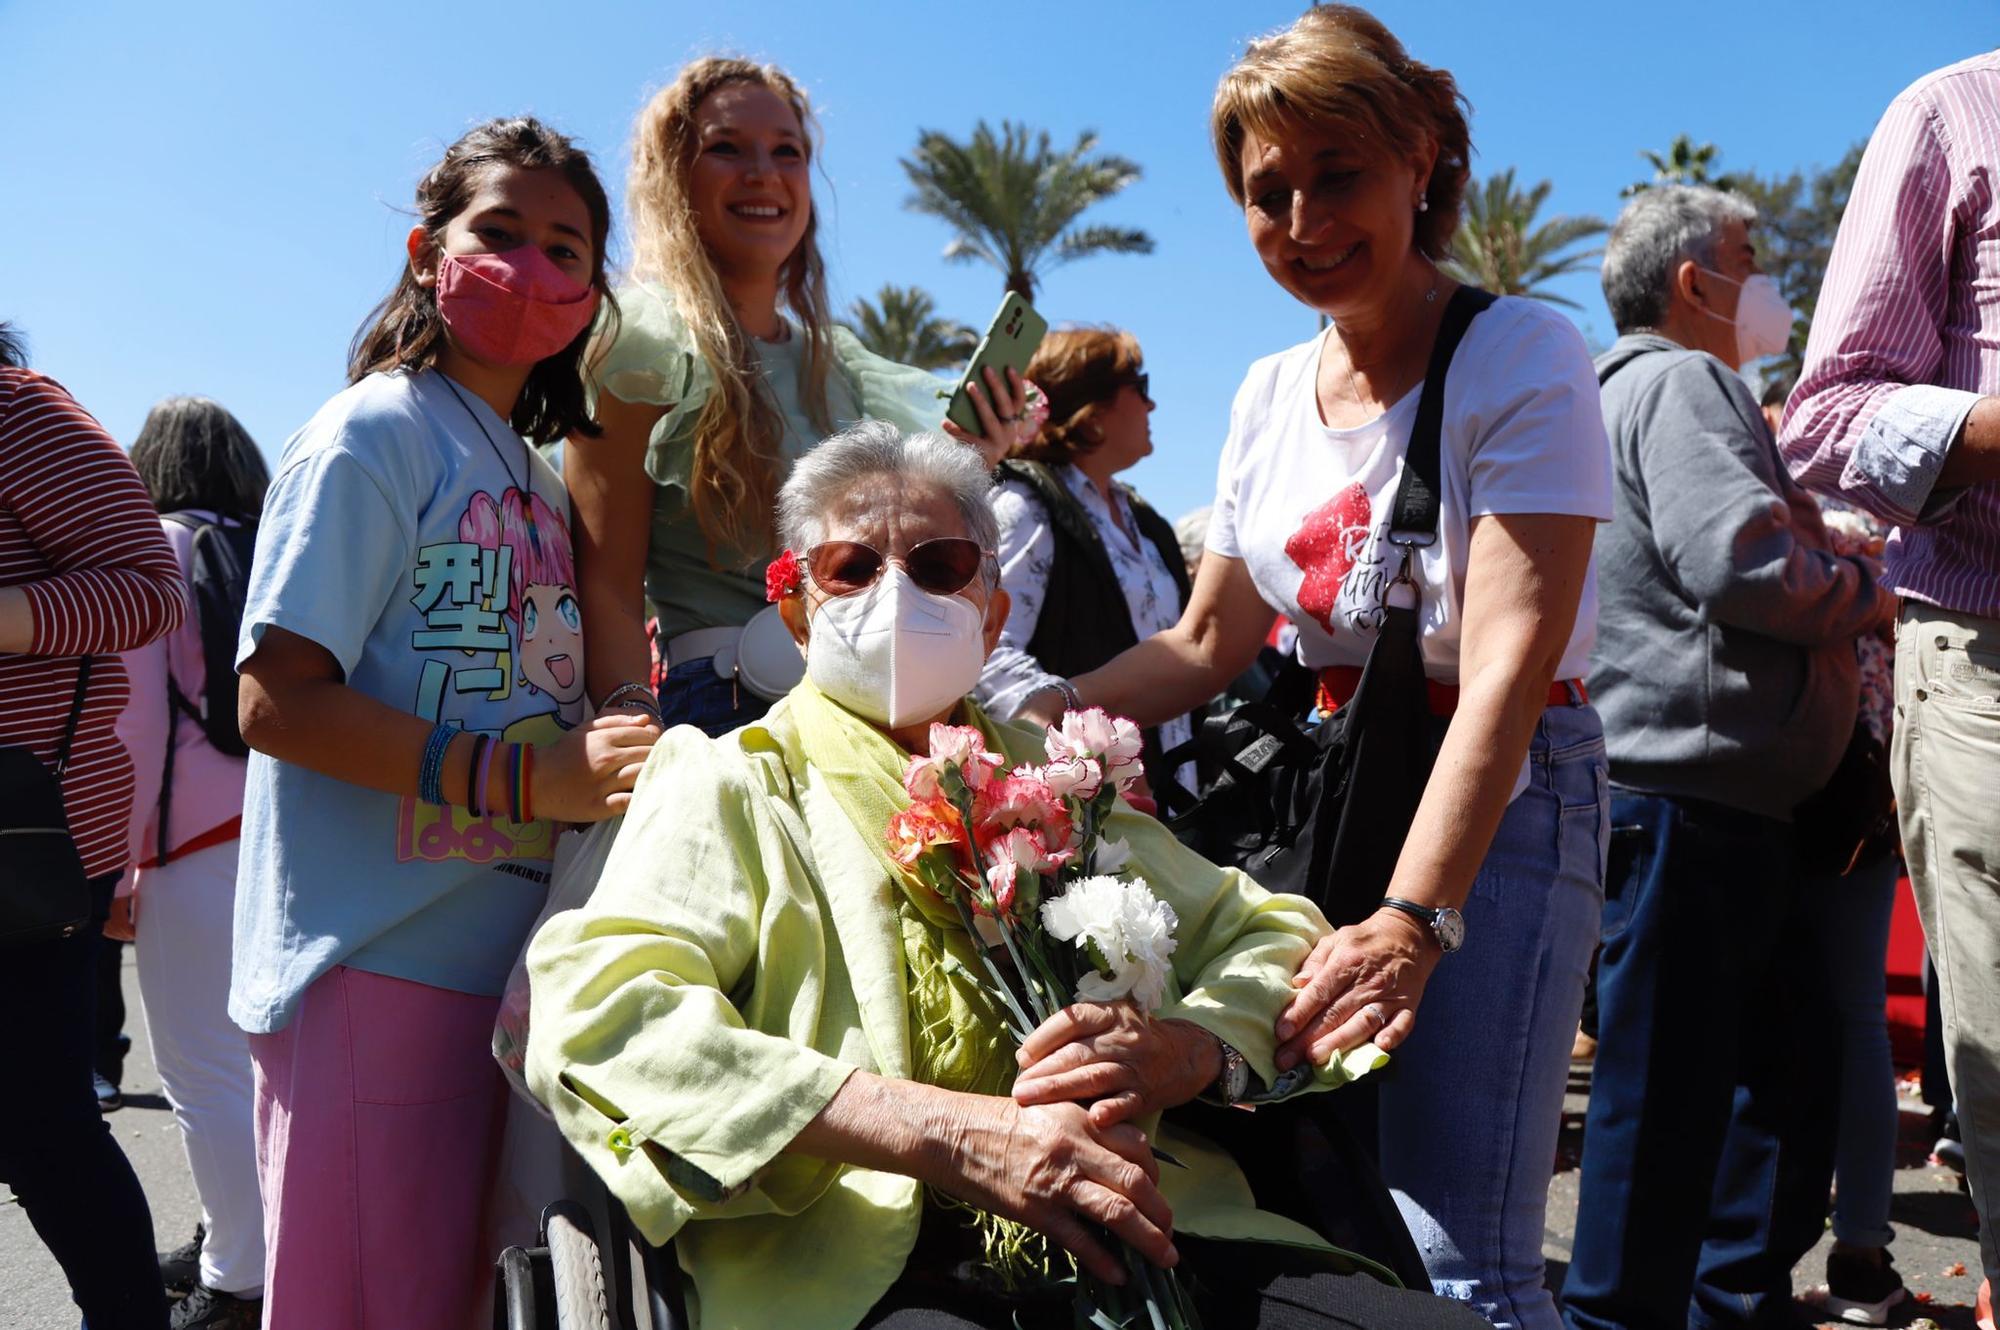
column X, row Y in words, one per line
column 724, row 368
column 1348, row 159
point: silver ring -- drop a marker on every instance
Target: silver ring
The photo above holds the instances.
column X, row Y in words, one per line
column 1374, row 1009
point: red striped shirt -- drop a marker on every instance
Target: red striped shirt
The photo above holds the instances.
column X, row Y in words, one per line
column 80, row 537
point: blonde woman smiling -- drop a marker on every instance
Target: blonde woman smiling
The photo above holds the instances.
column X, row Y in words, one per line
column 724, row 369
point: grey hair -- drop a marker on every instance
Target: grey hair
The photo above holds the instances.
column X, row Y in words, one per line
column 1192, row 533
column 1659, row 228
column 827, row 474
column 192, row 453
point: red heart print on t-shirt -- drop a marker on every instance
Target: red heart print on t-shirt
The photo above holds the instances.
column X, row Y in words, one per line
column 1325, row 546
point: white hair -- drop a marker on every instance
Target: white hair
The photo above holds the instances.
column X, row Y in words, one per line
column 1659, row 228
column 1192, row 533
column 831, row 471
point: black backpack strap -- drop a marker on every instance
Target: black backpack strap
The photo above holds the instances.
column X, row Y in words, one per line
column 75, row 715
column 1414, row 521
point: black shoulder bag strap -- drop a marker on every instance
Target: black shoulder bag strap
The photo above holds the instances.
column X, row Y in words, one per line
column 1413, row 523
column 75, row 716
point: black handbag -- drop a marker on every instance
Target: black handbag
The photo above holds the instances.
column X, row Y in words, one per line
column 1852, row 816
column 1322, row 810
column 43, row 891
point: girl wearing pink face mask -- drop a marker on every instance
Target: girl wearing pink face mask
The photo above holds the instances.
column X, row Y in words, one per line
column 399, row 819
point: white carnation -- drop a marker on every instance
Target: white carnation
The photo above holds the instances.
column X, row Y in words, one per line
column 1131, row 929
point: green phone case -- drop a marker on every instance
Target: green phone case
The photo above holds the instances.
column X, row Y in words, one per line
column 1010, row 341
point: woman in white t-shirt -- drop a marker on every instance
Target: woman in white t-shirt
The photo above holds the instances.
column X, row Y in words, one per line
column 1350, row 160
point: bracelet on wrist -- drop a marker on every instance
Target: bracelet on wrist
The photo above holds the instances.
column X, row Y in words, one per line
column 430, row 768
column 1072, row 701
column 634, row 695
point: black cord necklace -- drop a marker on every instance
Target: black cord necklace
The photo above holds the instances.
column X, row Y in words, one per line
column 527, row 484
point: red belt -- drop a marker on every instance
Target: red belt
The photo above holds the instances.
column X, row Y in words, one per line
column 1338, row 684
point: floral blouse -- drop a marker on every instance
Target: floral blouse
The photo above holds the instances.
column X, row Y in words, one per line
column 1027, row 551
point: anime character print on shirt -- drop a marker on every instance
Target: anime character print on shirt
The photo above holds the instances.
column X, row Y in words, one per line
column 1345, row 575
column 501, row 623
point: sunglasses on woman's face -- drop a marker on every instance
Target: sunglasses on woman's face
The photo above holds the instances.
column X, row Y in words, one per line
column 943, row 566
column 1141, row 381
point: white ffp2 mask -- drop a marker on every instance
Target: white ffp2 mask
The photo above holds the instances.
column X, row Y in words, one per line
column 1763, row 319
column 894, row 653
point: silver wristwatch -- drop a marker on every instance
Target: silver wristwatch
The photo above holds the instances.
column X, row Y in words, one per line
column 1232, row 1083
column 1446, row 924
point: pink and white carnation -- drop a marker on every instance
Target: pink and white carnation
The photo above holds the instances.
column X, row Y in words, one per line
column 959, row 746
column 1078, row 778
column 1112, row 742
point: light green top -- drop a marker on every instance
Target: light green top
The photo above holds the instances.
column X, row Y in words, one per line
column 741, row 956
column 653, row 359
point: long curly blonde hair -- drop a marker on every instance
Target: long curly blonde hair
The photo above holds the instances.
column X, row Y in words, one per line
column 738, row 435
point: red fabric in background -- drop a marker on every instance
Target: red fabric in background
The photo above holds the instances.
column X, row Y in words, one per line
column 1906, row 980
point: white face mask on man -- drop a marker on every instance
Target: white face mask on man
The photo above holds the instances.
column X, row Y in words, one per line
column 1763, row 319
column 894, row 653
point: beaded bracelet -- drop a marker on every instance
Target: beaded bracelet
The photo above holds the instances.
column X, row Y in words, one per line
column 482, row 747
column 430, row 771
column 1071, row 698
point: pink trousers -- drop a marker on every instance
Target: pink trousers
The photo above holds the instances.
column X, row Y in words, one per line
column 378, row 1123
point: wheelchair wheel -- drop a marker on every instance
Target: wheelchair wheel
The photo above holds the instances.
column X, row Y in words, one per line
column 577, row 1271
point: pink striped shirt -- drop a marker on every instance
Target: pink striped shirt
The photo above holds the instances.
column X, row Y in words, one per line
column 1906, row 337
column 79, row 536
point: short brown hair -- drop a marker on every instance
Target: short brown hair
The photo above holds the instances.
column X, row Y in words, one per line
column 1079, row 370
column 1337, row 68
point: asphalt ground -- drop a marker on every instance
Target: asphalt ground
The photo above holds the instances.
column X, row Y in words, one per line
column 1936, row 1245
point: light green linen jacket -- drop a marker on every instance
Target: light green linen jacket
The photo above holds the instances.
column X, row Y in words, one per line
column 741, row 957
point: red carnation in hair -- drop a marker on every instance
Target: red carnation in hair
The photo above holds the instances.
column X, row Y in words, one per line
column 781, row 578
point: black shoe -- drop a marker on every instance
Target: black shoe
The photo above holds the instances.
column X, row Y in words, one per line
column 1950, row 1147
column 1861, row 1292
column 108, row 1096
column 180, row 1269
column 209, row 1309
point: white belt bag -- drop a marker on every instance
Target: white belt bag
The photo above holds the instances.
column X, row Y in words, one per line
column 761, row 655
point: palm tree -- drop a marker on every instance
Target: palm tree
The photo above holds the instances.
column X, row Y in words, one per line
column 1684, row 163
column 1013, row 200
column 901, row 325
column 1499, row 247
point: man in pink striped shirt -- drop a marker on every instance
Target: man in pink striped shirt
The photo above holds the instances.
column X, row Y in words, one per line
column 1898, row 412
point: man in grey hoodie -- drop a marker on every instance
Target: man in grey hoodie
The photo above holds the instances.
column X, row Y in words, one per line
column 1725, row 673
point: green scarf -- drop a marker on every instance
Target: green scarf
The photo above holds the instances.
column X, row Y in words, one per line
column 958, row 1033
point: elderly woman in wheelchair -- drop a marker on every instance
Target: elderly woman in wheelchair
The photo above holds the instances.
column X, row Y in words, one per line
column 731, row 1035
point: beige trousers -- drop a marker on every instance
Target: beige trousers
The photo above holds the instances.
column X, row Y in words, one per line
column 1946, row 764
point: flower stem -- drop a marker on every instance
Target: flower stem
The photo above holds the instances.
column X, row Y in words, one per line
column 1023, row 1027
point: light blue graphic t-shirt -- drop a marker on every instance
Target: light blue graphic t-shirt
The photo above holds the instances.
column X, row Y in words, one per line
column 411, row 533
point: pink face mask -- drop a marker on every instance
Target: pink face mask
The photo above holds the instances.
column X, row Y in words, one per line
column 514, row 308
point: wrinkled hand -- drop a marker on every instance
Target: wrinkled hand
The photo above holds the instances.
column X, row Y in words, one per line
column 1048, row 1166
column 588, row 774
column 1360, row 983
column 998, row 405
column 1119, row 1057
column 123, row 924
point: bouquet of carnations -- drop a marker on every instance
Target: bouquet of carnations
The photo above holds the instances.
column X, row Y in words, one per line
column 1021, row 856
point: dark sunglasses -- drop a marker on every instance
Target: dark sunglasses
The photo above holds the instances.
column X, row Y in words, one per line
column 1141, row 381
column 943, row 566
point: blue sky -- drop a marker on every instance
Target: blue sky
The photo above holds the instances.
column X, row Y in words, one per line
column 202, row 197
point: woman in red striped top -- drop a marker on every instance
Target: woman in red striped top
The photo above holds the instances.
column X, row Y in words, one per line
column 84, row 569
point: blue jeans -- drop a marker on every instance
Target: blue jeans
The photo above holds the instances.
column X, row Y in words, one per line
column 1473, row 1105
column 694, row 694
column 1707, row 1148
column 1851, row 926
